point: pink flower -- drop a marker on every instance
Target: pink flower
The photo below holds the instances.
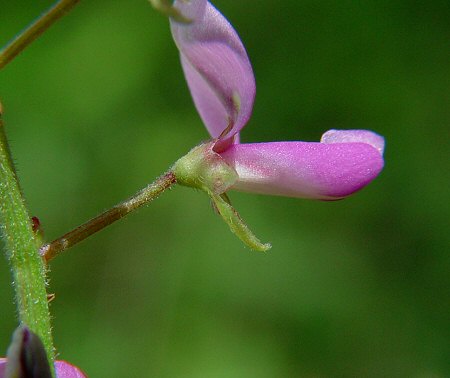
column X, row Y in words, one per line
column 222, row 84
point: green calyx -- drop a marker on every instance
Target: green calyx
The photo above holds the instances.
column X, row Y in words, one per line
column 204, row 169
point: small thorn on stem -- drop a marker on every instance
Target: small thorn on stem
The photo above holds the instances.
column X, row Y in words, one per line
column 35, row 224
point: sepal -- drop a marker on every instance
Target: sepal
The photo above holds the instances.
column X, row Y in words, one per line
column 236, row 224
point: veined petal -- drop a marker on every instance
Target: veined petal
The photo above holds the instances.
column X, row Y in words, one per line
column 326, row 171
column 216, row 67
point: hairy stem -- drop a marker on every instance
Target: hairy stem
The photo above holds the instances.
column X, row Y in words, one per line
column 28, row 268
column 21, row 41
column 144, row 196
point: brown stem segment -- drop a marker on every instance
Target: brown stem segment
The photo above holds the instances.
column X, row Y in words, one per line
column 18, row 44
column 51, row 250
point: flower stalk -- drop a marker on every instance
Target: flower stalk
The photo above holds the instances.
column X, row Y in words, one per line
column 28, row 268
column 21, row 41
column 144, row 196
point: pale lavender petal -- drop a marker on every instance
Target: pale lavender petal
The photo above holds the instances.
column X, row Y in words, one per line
column 216, row 66
column 301, row 169
column 2, row 367
column 348, row 136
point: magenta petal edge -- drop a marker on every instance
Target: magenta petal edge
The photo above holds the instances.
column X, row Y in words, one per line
column 304, row 169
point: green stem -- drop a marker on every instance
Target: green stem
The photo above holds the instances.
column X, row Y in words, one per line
column 18, row 44
column 166, row 7
column 144, row 196
column 28, row 268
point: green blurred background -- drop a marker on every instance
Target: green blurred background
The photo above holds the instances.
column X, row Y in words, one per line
column 98, row 107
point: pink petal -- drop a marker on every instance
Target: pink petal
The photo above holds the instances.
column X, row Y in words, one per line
column 66, row 370
column 2, row 367
column 216, row 66
column 301, row 169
